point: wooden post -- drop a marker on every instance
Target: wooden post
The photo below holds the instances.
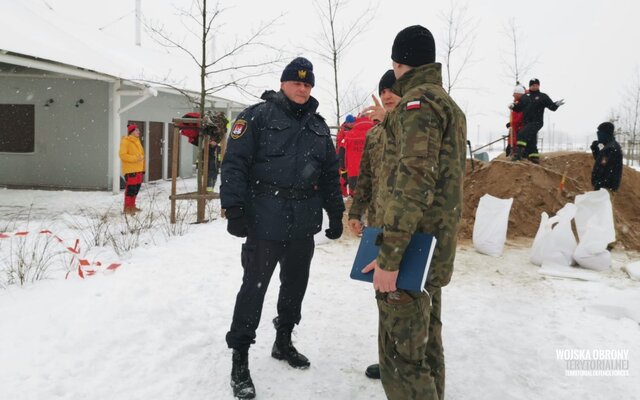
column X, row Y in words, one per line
column 174, row 171
column 200, row 195
column 205, row 161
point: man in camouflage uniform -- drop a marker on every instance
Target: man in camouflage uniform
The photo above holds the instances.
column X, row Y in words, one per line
column 371, row 156
column 419, row 190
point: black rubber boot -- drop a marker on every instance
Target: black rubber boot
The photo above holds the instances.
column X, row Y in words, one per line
column 518, row 154
column 373, row 371
column 241, row 382
column 283, row 350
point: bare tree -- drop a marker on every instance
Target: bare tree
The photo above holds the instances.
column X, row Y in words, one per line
column 458, row 43
column 216, row 72
column 630, row 118
column 517, row 63
column 353, row 98
column 337, row 37
column 229, row 69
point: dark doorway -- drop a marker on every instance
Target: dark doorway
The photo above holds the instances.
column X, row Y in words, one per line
column 156, row 150
column 170, row 155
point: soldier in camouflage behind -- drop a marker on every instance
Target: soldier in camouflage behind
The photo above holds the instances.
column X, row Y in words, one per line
column 419, row 190
column 371, row 156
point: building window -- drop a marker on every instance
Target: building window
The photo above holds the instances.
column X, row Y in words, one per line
column 17, row 128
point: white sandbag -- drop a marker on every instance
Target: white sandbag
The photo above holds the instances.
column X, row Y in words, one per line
column 633, row 269
column 490, row 227
column 558, row 244
column 563, row 271
column 595, row 206
column 592, row 250
column 597, row 261
column 537, row 249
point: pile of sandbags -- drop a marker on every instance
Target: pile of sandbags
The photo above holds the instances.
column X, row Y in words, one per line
column 556, row 244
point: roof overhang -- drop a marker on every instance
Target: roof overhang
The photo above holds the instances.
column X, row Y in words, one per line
column 73, row 71
column 51, row 66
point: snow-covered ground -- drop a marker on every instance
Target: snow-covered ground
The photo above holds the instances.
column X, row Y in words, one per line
column 154, row 328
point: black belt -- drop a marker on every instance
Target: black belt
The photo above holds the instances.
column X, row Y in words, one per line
column 286, row 193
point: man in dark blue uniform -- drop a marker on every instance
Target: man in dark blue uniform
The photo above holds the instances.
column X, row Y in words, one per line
column 533, row 105
column 280, row 170
column 607, row 153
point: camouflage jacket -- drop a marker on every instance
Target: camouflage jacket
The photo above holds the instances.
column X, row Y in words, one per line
column 422, row 171
column 366, row 191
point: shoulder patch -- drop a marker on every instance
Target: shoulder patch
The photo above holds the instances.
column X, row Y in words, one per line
column 239, row 128
column 413, row 105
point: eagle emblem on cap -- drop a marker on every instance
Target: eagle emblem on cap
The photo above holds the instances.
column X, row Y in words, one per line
column 302, row 74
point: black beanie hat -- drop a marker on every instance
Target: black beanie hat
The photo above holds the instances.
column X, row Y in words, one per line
column 607, row 128
column 534, row 81
column 387, row 81
column 414, row 46
column 301, row 70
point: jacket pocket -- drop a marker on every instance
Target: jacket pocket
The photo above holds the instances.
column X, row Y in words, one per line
column 276, row 138
column 317, row 142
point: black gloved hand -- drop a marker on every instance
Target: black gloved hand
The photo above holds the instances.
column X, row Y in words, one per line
column 236, row 222
column 335, row 227
column 594, row 146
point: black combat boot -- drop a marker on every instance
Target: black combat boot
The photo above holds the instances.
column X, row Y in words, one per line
column 373, row 371
column 517, row 154
column 240, row 377
column 283, row 350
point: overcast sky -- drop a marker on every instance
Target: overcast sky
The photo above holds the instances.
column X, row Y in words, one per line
column 586, row 51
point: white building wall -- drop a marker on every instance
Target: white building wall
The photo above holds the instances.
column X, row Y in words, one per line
column 71, row 148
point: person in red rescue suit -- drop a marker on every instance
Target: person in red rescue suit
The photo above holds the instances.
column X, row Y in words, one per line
column 515, row 121
column 354, row 145
column 214, row 149
column 346, row 126
column 132, row 157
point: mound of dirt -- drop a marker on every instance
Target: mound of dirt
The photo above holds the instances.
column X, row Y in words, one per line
column 536, row 188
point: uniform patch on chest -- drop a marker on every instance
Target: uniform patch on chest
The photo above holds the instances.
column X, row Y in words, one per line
column 413, row 105
column 239, row 128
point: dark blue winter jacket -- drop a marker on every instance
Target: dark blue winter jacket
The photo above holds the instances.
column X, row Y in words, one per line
column 607, row 168
column 281, row 168
column 532, row 105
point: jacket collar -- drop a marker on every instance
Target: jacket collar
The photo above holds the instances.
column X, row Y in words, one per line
column 280, row 100
column 134, row 139
column 428, row 73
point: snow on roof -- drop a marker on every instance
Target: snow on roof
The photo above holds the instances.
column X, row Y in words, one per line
column 37, row 31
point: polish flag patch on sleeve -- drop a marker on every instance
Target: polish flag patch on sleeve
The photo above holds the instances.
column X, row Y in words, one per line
column 412, row 105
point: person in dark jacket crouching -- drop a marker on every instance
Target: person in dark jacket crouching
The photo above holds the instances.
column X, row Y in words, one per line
column 278, row 174
column 607, row 168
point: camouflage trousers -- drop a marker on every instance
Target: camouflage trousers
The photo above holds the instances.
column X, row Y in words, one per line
column 410, row 345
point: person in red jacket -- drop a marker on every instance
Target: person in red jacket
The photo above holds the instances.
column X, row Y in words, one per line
column 191, row 131
column 354, row 145
column 515, row 121
column 346, row 126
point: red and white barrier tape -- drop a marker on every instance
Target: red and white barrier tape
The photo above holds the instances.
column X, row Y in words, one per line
column 85, row 267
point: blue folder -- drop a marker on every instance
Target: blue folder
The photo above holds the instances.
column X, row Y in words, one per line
column 414, row 267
